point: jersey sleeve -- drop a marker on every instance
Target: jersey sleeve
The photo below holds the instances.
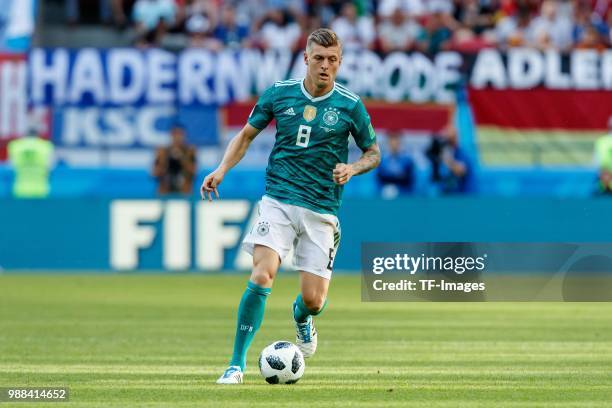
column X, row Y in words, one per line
column 361, row 126
column 263, row 112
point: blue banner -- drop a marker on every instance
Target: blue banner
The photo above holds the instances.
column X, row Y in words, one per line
column 145, row 126
column 177, row 234
column 131, row 77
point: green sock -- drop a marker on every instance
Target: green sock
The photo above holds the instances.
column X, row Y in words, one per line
column 301, row 312
column 250, row 316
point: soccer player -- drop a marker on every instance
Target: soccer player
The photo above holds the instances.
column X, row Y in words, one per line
column 305, row 176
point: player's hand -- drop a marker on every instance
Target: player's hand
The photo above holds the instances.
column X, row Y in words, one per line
column 210, row 184
column 343, row 173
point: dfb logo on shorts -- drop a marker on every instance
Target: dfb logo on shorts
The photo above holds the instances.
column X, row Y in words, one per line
column 263, row 227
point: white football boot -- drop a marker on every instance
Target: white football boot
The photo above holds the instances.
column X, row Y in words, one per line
column 306, row 337
column 233, row 375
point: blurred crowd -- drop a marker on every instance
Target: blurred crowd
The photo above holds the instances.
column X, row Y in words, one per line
column 449, row 169
column 381, row 25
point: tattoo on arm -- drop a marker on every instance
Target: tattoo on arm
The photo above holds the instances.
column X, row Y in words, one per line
column 369, row 159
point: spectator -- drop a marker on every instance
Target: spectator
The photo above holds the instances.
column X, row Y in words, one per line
column 582, row 21
column 434, row 25
column 589, row 29
column 399, row 32
column 591, row 39
column 550, row 29
column 229, row 32
column 511, row 31
column 450, row 167
column 31, row 157
column 413, row 8
column 122, row 9
column 296, row 7
column 175, row 165
column 465, row 40
column 73, row 11
column 250, row 11
column 191, row 8
column 437, row 33
column 603, row 158
column 395, row 174
column 475, row 15
column 474, row 23
column 280, row 31
column 153, row 18
column 355, row 31
column 324, row 11
column 200, row 33
column 440, row 6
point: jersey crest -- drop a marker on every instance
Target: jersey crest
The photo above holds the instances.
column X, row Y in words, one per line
column 330, row 117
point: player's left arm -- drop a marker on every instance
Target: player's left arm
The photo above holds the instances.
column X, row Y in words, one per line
column 364, row 136
column 370, row 159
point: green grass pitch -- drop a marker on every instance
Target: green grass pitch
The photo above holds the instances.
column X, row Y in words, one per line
column 162, row 340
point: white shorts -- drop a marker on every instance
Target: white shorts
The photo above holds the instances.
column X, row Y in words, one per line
column 314, row 237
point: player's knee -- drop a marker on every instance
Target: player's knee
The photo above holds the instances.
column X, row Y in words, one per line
column 314, row 301
column 263, row 274
column 262, row 278
column 265, row 264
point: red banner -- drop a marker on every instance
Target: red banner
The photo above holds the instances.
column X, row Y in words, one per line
column 386, row 116
column 542, row 108
column 539, row 126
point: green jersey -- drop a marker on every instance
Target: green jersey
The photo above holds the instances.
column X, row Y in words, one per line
column 31, row 158
column 603, row 152
column 312, row 135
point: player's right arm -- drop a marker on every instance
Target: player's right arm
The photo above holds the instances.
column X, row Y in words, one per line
column 235, row 151
column 261, row 115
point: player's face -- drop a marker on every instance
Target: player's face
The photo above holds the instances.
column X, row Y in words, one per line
column 323, row 64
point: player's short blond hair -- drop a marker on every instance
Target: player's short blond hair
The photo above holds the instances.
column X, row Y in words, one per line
column 324, row 37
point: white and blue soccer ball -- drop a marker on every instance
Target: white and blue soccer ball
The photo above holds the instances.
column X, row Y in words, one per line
column 281, row 363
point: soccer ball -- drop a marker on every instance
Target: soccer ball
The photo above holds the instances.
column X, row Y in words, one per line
column 281, row 363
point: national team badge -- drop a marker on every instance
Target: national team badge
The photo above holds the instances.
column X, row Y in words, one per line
column 330, row 117
column 310, row 112
column 263, row 228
